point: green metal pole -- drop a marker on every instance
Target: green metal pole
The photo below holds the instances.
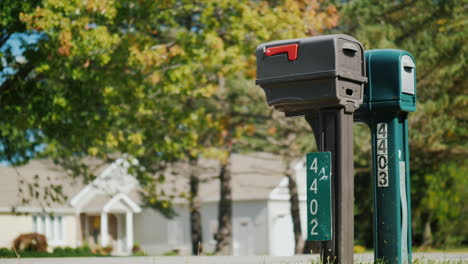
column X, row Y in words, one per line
column 392, row 220
column 388, row 97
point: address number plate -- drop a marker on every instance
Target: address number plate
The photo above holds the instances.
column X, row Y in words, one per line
column 319, row 218
column 382, row 155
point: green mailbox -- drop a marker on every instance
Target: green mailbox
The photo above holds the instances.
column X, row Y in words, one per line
column 388, row 97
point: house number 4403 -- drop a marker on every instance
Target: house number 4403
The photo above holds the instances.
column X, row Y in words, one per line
column 382, row 155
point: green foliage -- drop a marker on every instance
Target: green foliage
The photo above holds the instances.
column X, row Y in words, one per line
column 435, row 33
column 363, row 191
column 84, row 251
column 7, row 253
column 359, row 249
column 445, row 201
column 12, row 71
column 150, row 79
column 168, row 80
column 58, row 252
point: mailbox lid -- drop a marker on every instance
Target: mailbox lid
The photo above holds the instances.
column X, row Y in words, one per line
column 317, row 57
column 392, row 79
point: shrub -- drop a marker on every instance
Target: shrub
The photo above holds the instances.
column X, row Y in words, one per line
column 7, row 253
column 359, row 249
column 84, row 251
column 59, row 252
column 65, row 252
column 136, row 248
column 34, row 254
column 137, row 251
column 30, row 242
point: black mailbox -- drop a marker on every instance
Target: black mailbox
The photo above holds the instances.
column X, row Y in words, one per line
column 312, row 73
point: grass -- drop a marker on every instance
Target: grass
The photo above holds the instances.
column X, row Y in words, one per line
column 438, row 250
column 426, row 250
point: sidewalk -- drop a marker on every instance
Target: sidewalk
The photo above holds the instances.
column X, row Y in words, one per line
column 454, row 258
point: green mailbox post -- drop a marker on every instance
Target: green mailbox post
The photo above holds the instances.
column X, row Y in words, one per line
column 388, row 98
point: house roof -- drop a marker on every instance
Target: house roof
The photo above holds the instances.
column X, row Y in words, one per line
column 254, row 177
column 110, row 203
column 110, row 190
column 96, row 203
column 35, row 178
column 30, row 188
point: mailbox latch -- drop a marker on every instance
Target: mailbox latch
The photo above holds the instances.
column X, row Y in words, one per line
column 291, row 50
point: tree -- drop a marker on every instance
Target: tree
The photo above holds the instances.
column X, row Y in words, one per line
column 142, row 78
column 232, row 104
column 17, row 141
column 263, row 132
column 435, row 34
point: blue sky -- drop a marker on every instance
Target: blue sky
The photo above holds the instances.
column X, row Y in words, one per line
column 15, row 44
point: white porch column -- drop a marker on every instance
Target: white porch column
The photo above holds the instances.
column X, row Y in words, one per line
column 79, row 234
column 129, row 231
column 104, row 232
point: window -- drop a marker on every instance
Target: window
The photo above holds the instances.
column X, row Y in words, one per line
column 50, row 226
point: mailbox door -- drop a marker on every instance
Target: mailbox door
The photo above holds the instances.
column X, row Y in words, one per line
column 407, row 70
column 349, row 57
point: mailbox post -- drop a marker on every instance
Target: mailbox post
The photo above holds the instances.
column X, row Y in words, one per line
column 321, row 78
column 389, row 96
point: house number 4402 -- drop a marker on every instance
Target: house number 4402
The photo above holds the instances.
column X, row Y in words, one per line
column 313, row 205
column 318, row 196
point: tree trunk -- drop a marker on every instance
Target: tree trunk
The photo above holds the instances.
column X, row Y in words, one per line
column 427, row 234
column 224, row 233
column 295, row 213
column 194, row 207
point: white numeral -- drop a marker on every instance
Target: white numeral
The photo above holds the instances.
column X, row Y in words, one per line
column 313, row 166
column 314, row 224
column 313, row 206
column 313, row 186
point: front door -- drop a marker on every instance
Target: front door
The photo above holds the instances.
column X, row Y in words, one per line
column 93, row 230
column 113, row 232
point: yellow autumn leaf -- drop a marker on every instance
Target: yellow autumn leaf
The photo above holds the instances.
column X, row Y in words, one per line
column 93, row 151
column 136, row 138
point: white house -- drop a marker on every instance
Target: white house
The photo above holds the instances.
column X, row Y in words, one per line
column 108, row 211
column 100, row 213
